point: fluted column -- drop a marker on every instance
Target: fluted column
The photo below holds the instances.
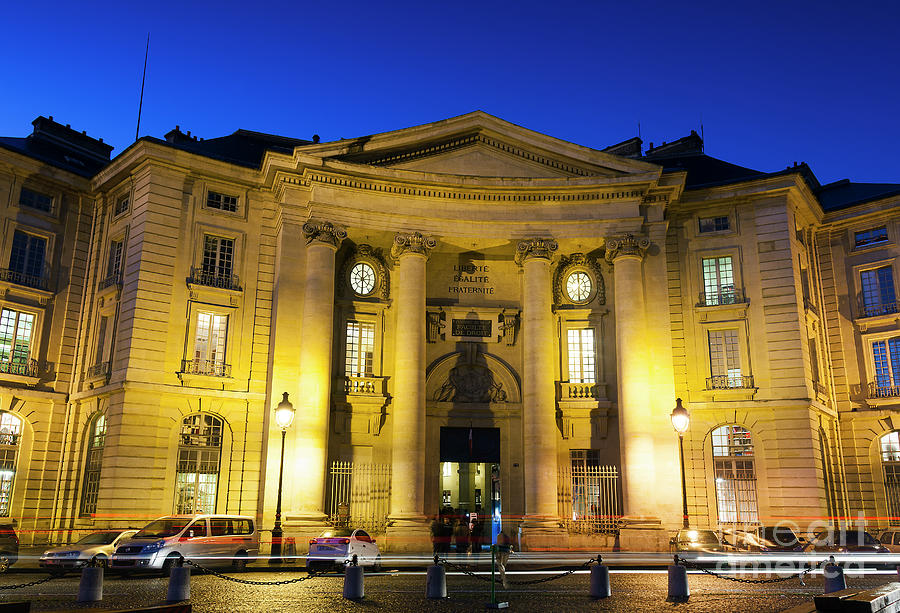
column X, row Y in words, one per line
column 410, row 251
column 310, row 427
column 539, row 402
column 632, row 337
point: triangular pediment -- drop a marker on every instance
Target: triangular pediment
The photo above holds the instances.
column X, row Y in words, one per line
column 481, row 145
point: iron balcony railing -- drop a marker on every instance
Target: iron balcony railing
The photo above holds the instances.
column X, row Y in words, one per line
column 724, row 295
column 882, row 308
column 820, row 389
column 113, row 279
column 22, row 368
column 101, row 369
column 881, row 390
column 209, row 368
column 728, row 382
column 19, row 278
column 211, row 278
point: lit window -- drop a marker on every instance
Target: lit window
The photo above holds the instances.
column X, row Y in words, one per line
column 878, row 297
column 890, row 462
column 867, row 238
column 360, row 349
column 16, row 330
column 92, row 464
column 35, row 200
column 10, row 431
column 582, row 358
column 222, row 202
column 218, row 256
column 197, row 473
column 735, row 475
column 714, row 224
column 26, row 259
column 724, row 360
column 448, row 469
column 209, row 345
column 121, row 206
column 718, row 281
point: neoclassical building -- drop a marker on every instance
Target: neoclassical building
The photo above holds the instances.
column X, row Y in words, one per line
column 465, row 314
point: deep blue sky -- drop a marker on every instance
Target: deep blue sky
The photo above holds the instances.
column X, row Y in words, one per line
column 772, row 82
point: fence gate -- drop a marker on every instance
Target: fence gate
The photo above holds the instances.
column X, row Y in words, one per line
column 589, row 498
column 360, row 495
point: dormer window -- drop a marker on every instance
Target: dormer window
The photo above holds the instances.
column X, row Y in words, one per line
column 868, row 238
column 714, row 224
column 221, row 202
column 35, row 200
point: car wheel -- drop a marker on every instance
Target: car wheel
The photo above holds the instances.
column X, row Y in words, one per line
column 101, row 561
column 4, row 562
column 239, row 562
column 170, row 562
column 314, row 567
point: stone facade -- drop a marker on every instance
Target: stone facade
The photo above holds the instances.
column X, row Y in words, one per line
column 463, row 274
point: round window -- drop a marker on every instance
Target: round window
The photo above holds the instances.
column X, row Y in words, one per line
column 362, row 279
column 578, row 286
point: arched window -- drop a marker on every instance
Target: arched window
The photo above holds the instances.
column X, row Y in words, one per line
column 10, row 433
column 890, row 461
column 92, row 463
column 199, row 452
column 735, row 474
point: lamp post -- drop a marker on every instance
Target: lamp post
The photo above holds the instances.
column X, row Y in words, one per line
column 284, row 416
column 680, row 421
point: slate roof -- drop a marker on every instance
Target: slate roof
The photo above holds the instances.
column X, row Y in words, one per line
column 704, row 170
column 60, row 157
column 242, row 148
column 844, row 193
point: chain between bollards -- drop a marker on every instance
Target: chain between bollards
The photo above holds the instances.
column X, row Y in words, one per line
column 797, row 575
column 215, row 573
column 466, row 571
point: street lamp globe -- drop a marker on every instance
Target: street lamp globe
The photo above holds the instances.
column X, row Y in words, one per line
column 680, row 418
column 284, row 413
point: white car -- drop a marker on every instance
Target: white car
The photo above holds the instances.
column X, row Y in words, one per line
column 336, row 548
column 96, row 547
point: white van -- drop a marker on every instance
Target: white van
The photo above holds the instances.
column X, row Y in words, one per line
column 208, row 540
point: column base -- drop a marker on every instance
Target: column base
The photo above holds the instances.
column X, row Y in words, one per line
column 642, row 533
column 408, row 535
column 541, row 535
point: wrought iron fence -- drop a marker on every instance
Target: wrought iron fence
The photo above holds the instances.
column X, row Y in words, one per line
column 210, row 368
column 360, row 495
column 210, row 278
column 881, row 308
column 588, row 498
column 883, row 391
column 727, row 382
column 19, row 278
column 113, row 279
column 27, row 368
column 724, row 295
column 101, row 369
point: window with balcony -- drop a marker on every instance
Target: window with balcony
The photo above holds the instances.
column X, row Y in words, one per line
column 197, row 472
column 886, row 359
column 92, row 463
column 725, row 361
column 718, row 282
column 16, row 332
column 878, row 297
column 35, row 200
column 359, row 356
column 714, row 224
column 582, row 356
column 868, row 238
column 26, row 260
column 221, row 202
column 209, row 346
column 10, row 433
column 113, row 264
column 735, row 475
column 216, row 264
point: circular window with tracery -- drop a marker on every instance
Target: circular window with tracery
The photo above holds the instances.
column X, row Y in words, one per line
column 362, row 279
column 579, row 286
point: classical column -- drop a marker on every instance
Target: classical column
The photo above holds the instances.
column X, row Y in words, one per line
column 310, row 428
column 407, row 512
column 632, row 338
column 539, row 387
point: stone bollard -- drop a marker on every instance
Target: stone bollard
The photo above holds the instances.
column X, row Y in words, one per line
column 600, row 580
column 678, row 584
column 179, row 582
column 436, row 581
column 834, row 577
column 354, row 588
column 90, row 589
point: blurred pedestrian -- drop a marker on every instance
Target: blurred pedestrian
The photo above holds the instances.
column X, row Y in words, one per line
column 504, row 548
column 461, row 534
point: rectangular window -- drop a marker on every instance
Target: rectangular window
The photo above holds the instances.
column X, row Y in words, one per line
column 886, row 357
column 209, row 343
column 100, row 354
column 35, row 200
column 221, row 202
column 724, row 359
column 718, row 281
column 878, row 297
column 360, row 349
column 714, row 224
column 26, row 258
column 16, row 329
column 582, row 358
column 867, row 238
column 114, row 263
column 121, row 206
column 218, row 256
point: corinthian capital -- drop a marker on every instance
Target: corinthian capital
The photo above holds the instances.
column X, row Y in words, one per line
column 412, row 243
column 535, row 248
column 626, row 245
column 323, row 232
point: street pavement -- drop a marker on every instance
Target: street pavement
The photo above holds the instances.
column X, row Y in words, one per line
column 634, row 591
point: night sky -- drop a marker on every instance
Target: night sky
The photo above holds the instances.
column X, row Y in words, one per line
column 771, row 82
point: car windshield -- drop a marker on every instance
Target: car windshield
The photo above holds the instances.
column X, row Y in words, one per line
column 162, row 528
column 779, row 535
column 337, row 532
column 846, row 537
column 698, row 536
column 98, row 538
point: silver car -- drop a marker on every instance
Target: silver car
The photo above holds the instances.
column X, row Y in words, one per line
column 96, row 548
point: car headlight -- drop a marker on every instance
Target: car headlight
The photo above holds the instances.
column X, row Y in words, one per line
column 71, row 554
column 154, row 546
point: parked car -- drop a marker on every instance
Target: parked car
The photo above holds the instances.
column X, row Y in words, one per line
column 765, row 539
column 9, row 546
column 890, row 540
column 209, row 540
column 336, row 548
column 96, row 547
column 697, row 541
column 845, row 540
